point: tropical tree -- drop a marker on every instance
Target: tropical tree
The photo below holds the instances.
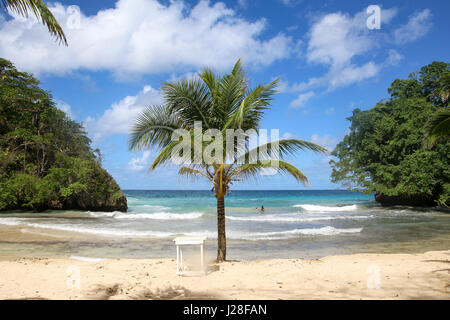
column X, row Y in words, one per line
column 384, row 153
column 438, row 126
column 42, row 13
column 220, row 103
column 46, row 161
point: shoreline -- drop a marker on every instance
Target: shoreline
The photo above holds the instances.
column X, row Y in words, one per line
column 356, row 276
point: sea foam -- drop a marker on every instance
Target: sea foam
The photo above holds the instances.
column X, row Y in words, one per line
column 317, row 208
column 161, row 216
column 291, row 218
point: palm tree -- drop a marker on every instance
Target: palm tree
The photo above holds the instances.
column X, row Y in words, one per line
column 438, row 126
column 221, row 102
column 40, row 10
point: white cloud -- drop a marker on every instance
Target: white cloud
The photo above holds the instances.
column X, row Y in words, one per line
column 418, row 25
column 340, row 77
column 325, row 141
column 138, row 164
column 302, row 99
column 394, row 57
column 65, row 107
column 336, row 40
column 141, row 37
column 120, row 116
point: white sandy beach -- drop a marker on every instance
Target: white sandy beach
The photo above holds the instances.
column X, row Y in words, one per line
column 357, row 276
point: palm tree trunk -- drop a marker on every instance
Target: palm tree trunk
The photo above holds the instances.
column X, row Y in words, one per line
column 221, row 237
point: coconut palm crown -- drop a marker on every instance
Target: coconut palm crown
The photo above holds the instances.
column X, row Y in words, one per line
column 42, row 13
column 221, row 103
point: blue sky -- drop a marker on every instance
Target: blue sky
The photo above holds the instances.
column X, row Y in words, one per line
column 329, row 62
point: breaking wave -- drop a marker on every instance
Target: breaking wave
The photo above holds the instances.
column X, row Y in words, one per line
column 317, row 208
column 161, row 216
column 286, row 218
column 324, row 231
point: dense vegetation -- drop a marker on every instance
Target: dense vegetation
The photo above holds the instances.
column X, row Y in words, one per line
column 46, row 161
column 385, row 153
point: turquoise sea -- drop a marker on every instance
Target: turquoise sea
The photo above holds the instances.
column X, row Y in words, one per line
column 295, row 224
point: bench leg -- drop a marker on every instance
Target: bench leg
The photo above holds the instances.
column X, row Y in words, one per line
column 202, row 257
column 178, row 260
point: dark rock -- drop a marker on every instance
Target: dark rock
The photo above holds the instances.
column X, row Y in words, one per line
column 415, row 201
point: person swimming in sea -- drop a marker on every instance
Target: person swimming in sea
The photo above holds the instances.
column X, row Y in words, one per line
column 262, row 209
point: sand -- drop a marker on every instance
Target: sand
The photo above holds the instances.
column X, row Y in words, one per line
column 357, row 276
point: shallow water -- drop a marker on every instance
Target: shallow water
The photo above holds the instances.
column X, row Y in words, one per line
column 295, row 224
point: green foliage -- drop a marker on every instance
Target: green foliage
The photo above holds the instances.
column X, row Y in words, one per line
column 384, row 152
column 45, row 157
column 40, row 10
column 438, row 126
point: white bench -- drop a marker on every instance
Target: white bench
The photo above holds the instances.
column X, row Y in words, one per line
column 184, row 241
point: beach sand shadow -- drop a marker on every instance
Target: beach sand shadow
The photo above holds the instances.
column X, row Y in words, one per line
column 174, row 293
column 115, row 291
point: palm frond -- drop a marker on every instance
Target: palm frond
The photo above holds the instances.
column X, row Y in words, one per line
column 42, row 13
column 232, row 91
column 166, row 155
column 437, row 127
column 210, row 79
column 154, row 127
column 189, row 98
column 250, row 111
column 442, row 89
column 193, row 173
column 253, row 171
column 285, row 147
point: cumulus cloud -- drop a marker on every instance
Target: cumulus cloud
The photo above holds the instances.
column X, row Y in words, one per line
column 336, row 40
column 138, row 164
column 302, row 99
column 418, row 25
column 120, row 116
column 394, row 57
column 141, row 37
column 325, row 141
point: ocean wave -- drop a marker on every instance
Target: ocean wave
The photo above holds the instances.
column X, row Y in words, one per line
column 87, row 230
column 278, row 235
column 153, row 206
column 11, row 221
column 280, row 218
column 161, row 216
column 99, row 214
column 317, row 208
column 238, row 235
column 275, row 235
